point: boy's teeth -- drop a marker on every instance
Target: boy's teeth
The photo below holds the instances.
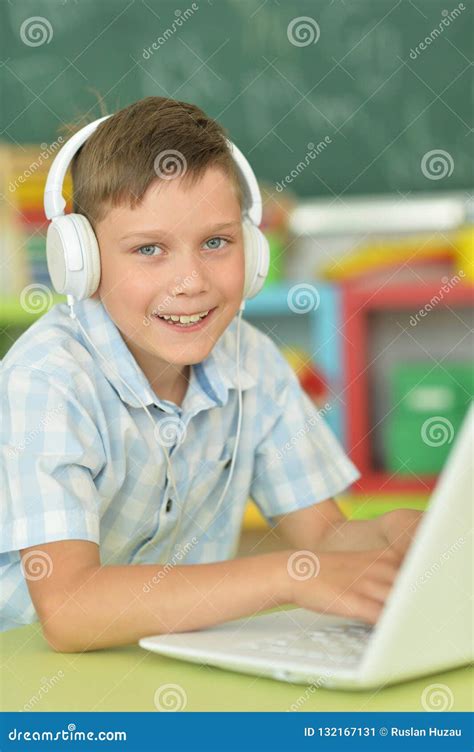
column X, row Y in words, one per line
column 184, row 319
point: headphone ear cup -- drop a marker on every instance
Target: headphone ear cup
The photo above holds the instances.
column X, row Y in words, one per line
column 73, row 257
column 91, row 253
column 257, row 259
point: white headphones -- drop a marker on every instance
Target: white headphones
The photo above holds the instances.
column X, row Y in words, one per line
column 74, row 263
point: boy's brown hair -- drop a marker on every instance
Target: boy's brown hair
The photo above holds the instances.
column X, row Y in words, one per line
column 153, row 139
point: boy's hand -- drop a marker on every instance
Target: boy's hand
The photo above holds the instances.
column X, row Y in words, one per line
column 394, row 529
column 353, row 584
column 399, row 528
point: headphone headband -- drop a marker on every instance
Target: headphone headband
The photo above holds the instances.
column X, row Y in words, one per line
column 54, row 202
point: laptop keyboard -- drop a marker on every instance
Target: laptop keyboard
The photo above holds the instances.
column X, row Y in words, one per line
column 336, row 644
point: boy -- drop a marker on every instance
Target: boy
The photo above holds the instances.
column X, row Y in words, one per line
column 88, row 501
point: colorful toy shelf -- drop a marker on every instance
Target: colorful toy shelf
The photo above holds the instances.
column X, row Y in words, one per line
column 360, row 302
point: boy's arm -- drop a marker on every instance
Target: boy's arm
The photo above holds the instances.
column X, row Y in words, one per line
column 83, row 605
column 324, row 526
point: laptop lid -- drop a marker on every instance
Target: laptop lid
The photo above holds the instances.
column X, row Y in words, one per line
column 426, row 624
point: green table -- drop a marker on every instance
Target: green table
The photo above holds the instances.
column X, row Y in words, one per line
column 34, row 677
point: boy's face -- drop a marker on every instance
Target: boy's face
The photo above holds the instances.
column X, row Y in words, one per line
column 170, row 255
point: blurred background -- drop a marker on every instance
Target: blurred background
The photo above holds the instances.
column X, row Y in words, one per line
column 357, row 120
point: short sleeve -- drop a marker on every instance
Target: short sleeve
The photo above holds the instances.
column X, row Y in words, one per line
column 299, row 461
column 51, row 451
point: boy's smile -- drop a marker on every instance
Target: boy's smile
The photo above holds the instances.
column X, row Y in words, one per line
column 179, row 253
column 185, row 322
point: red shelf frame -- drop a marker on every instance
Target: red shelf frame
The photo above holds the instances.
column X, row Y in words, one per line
column 358, row 299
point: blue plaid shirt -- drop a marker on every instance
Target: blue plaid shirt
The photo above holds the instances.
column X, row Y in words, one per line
column 80, row 458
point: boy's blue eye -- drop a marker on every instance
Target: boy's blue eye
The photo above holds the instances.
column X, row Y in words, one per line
column 214, row 247
column 146, row 249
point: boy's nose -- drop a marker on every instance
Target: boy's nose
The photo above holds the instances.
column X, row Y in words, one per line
column 191, row 276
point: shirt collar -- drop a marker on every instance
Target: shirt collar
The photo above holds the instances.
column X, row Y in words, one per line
column 213, row 377
column 221, row 365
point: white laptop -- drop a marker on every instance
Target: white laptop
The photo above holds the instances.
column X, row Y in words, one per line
column 425, row 626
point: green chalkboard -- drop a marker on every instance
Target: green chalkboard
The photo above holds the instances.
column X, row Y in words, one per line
column 377, row 87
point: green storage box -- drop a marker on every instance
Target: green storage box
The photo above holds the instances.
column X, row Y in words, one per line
column 277, row 254
column 428, row 405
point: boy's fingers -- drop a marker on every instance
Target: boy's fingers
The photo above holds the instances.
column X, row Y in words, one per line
column 375, row 589
column 391, row 556
column 388, row 553
column 363, row 607
column 400, row 545
column 382, row 563
column 385, row 572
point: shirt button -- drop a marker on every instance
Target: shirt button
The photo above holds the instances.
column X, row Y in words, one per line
column 169, row 504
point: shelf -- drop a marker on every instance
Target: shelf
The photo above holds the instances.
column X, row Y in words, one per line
column 273, row 299
column 387, row 483
column 403, row 296
column 320, row 326
column 360, row 301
